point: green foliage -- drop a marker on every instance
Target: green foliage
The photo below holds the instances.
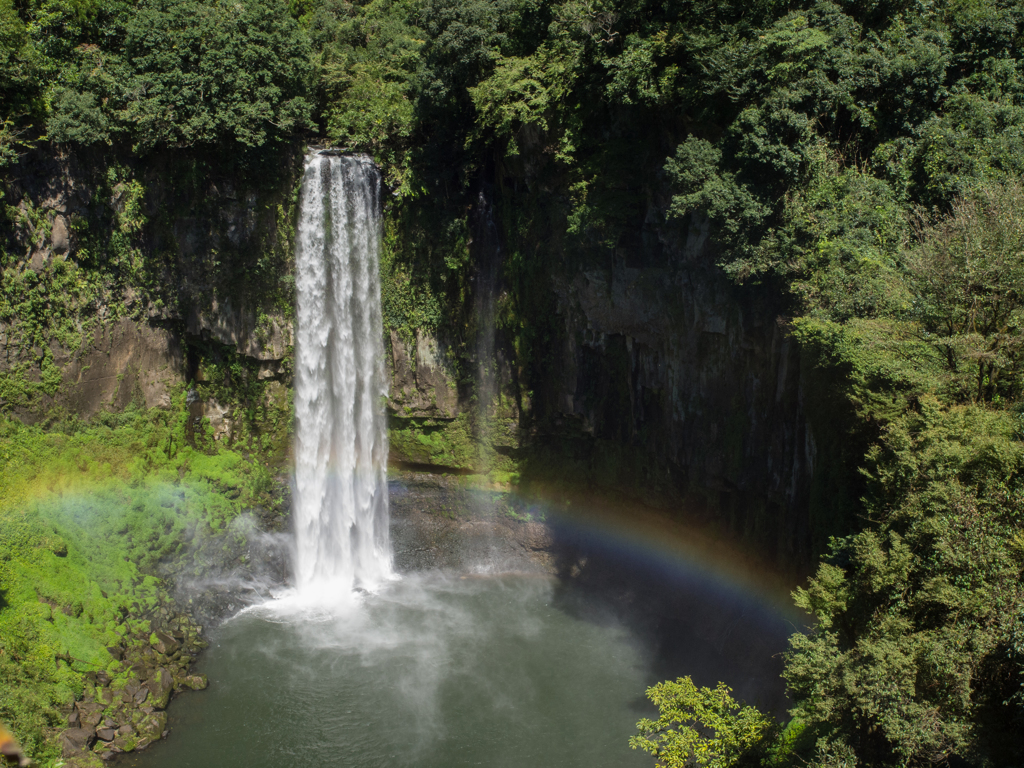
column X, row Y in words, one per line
column 370, row 65
column 261, row 413
column 702, row 727
column 912, row 659
column 967, row 273
column 19, row 91
column 908, row 661
column 86, row 516
column 188, row 72
column 408, row 301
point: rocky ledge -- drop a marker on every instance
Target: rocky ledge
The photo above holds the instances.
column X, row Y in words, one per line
column 445, row 522
column 126, row 712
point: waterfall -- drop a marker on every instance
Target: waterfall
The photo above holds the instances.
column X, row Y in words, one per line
column 487, row 244
column 341, row 450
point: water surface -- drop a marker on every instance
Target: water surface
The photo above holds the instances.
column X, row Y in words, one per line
column 433, row 671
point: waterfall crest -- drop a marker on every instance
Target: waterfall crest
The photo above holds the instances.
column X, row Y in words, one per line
column 341, row 501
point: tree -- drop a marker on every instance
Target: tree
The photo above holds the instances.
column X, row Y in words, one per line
column 741, row 734
column 192, row 72
column 911, row 660
column 967, row 271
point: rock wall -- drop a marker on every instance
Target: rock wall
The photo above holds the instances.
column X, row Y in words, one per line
column 156, row 268
column 684, row 390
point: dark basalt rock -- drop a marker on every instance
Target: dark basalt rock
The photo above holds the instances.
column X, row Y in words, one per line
column 152, row 727
column 75, row 741
column 196, row 682
column 160, row 688
column 114, row 717
column 165, row 643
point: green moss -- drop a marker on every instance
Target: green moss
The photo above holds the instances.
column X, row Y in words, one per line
column 484, row 444
column 408, row 302
column 86, row 516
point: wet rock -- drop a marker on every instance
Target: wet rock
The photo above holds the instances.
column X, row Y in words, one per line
column 160, row 688
column 164, row 643
column 74, row 741
column 423, row 385
column 125, row 743
column 196, row 682
column 536, row 536
column 153, row 726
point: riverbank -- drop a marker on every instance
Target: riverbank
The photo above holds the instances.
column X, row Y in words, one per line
column 92, row 640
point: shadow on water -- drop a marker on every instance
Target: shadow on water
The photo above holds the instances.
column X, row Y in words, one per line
column 689, row 618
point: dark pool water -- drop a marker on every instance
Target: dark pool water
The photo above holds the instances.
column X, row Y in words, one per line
column 461, row 667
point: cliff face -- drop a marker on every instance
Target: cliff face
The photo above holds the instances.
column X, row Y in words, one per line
column 123, row 281
column 661, row 380
column 685, row 391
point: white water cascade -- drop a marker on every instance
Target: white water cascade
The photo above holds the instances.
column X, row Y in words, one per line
column 341, row 450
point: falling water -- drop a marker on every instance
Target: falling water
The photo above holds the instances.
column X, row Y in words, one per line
column 488, row 245
column 341, row 503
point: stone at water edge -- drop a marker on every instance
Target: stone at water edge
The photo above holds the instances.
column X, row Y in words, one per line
column 153, row 726
column 164, row 643
column 160, row 687
column 196, row 682
column 74, row 741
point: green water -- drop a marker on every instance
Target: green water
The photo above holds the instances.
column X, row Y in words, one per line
column 432, row 672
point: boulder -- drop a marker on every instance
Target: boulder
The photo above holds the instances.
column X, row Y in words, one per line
column 164, row 643
column 196, row 682
column 123, row 744
column 153, row 726
column 74, row 741
column 106, row 734
column 89, row 713
column 60, row 241
column 160, row 687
